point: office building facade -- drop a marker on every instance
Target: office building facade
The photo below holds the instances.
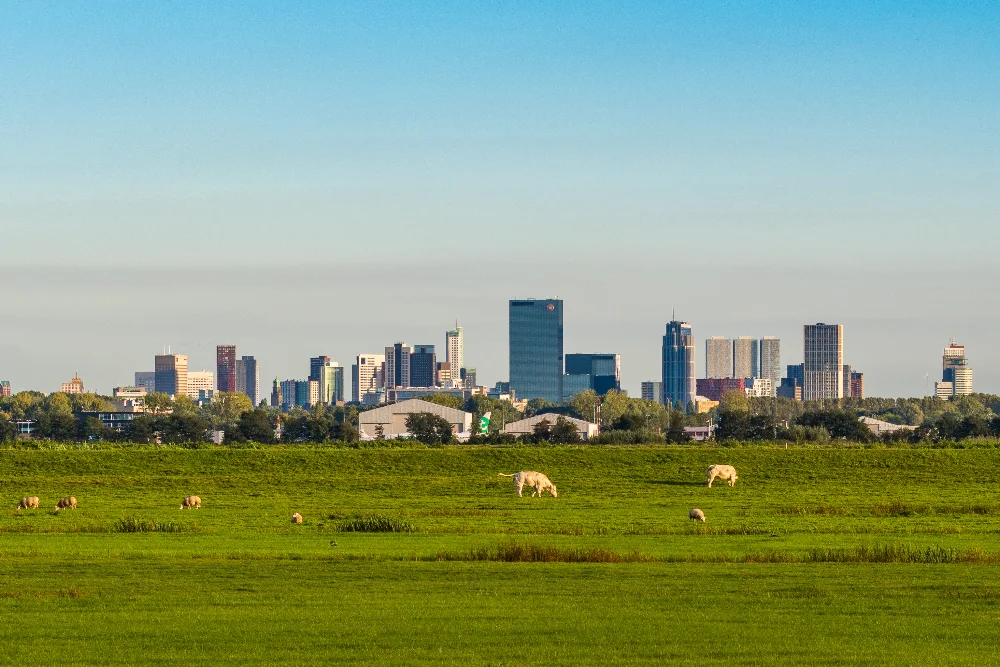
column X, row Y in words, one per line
column 316, row 363
column 770, row 360
column 956, row 375
column 715, row 388
column 331, row 383
column 718, row 357
column 248, row 379
column 652, row 391
column 823, row 368
column 201, row 384
column 535, row 340
column 678, row 361
column 225, row 367
column 746, row 357
column 145, row 379
column 170, row 374
column 423, row 363
column 366, row 376
column 397, row 366
column 603, row 370
column 74, row 386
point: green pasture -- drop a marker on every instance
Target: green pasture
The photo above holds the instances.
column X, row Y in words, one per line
column 237, row 583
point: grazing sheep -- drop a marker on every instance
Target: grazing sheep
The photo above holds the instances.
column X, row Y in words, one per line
column 538, row 482
column 27, row 503
column 63, row 503
column 296, row 518
column 696, row 515
column 191, row 502
column 722, row 472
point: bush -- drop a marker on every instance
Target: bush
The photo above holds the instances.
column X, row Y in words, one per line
column 133, row 525
column 375, row 523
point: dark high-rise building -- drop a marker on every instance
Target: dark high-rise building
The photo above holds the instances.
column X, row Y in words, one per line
column 604, row 370
column 536, row 348
column 468, row 376
column 791, row 384
column 423, row 362
column 248, row 378
column 397, row 366
column 316, row 363
column 679, row 388
column 225, row 368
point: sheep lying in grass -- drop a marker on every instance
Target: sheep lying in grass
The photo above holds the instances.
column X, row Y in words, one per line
column 27, row 503
column 696, row 515
column 296, row 518
column 64, row 503
column 191, row 502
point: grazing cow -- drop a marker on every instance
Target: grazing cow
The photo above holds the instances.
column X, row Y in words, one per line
column 696, row 515
column 296, row 518
column 64, row 503
column 27, row 503
column 191, row 502
column 538, row 482
column 722, row 472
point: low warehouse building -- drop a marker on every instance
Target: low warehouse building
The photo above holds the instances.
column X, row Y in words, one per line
column 587, row 430
column 392, row 419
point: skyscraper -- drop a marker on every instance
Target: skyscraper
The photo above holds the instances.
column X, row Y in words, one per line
column 315, row 363
column 718, row 357
column 366, row 375
column 276, row 394
column 331, row 383
column 397, row 366
column 423, row 362
column 248, row 378
column 171, row 374
column 823, row 368
column 535, row 338
column 225, row 367
column 146, row 380
column 956, row 375
column 770, row 360
column 5, row 390
column 746, row 357
column 454, row 350
column 678, row 365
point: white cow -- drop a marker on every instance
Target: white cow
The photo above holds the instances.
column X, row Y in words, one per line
column 538, row 482
column 696, row 515
column 722, row 472
column 28, row 503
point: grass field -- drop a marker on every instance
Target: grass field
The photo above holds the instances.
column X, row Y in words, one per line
column 816, row 556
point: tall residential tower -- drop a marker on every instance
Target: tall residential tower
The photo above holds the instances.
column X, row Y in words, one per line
column 823, row 368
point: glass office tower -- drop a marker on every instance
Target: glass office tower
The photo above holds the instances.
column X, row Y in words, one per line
column 536, row 348
column 678, row 365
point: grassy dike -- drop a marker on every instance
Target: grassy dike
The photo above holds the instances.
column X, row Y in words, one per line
column 820, row 556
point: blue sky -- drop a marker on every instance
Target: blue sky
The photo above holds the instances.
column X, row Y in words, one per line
column 700, row 150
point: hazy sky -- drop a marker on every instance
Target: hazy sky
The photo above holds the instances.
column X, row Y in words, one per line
column 326, row 178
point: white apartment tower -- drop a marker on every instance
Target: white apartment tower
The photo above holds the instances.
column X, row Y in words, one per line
column 746, row 357
column 718, row 357
column 823, row 368
column 956, row 376
column 454, row 350
column 366, row 375
column 770, row 361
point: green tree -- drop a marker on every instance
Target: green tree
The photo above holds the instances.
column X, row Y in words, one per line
column 184, row 406
column 542, row 432
column 256, row 426
column 429, row 428
column 92, row 428
column 157, row 403
column 584, row 405
column 564, row 431
column 613, row 406
column 227, row 408
column 447, row 400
